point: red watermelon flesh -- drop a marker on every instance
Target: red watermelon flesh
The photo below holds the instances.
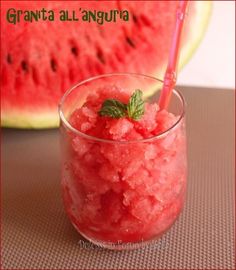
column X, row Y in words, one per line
column 41, row 60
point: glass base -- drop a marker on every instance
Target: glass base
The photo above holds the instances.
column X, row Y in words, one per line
column 119, row 246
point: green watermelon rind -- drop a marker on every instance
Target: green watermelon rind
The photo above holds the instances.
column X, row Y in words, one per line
column 204, row 23
column 34, row 121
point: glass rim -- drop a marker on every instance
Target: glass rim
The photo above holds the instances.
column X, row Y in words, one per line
column 90, row 137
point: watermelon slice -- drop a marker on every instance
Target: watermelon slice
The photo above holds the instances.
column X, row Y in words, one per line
column 41, row 60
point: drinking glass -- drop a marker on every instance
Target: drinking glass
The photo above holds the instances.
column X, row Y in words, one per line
column 122, row 194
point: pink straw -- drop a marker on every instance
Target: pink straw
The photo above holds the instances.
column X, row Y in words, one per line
column 170, row 75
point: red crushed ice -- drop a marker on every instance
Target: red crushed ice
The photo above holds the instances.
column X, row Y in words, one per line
column 123, row 191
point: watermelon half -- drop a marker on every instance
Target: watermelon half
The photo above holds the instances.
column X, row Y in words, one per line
column 41, row 60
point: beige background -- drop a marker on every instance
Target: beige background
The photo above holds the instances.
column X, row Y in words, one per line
column 213, row 64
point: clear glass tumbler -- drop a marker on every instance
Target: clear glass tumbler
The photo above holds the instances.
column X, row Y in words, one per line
column 122, row 194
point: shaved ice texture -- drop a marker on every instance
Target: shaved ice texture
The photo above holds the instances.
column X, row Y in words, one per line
column 125, row 189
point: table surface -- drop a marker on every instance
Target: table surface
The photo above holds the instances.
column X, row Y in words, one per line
column 37, row 234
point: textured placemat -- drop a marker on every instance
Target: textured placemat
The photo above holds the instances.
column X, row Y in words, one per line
column 37, row 234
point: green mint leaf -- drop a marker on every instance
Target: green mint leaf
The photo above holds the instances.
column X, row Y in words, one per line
column 113, row 108
column 116, row 109
column 135, row 107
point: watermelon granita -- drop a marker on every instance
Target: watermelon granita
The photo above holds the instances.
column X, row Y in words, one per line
column 124, row 178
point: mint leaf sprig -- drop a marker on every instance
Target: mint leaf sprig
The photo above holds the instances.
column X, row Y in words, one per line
column 135, row 107
column 116, row 109
column 113, row 108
